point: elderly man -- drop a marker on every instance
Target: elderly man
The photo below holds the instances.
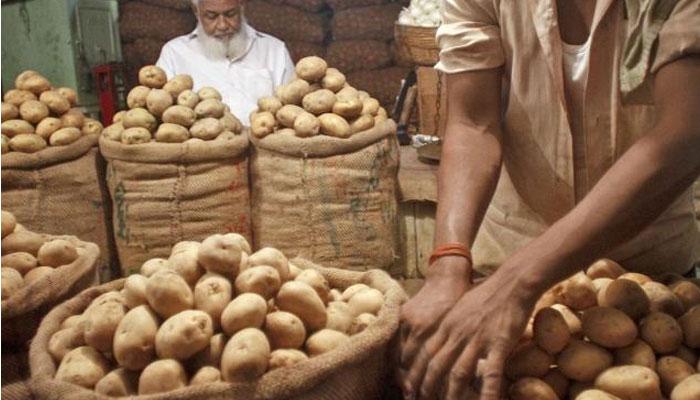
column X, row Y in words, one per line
column 228, row 54
column 572, row 134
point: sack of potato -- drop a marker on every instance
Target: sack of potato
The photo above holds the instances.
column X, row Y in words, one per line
column 39, row 271
column 177, row 168
column 324, row 172
column 215, row 320
column 51, row 169
column 611, row 334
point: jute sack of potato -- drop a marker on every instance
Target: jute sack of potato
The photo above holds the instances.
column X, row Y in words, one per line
column 163, row 193
column 328, row 199
column 60, row 189
column 356, row 370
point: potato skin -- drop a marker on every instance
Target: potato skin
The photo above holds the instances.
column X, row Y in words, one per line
column 205, row 375
column 637, row 353
column 209, row 108
column 271, row 257
column 136, row 135
column 662, row 299
column 65, row 340
column 246, row 356
column 157, row 101
column 172, row 133
column 262, row 124
column 119, row 382
column 220, row 254
column 180, row 115
column 271, row 104
column 33, row 111
column 185, row 263
column 627, row 296
column 293, row 92
column 688, row 389
column 37, row 274
column 152, row 76
column 11, row 281
column 531, row 388
column 20, row 261
column 551, row 333
column 286, row 357
column 22, row 240
column 306, row 125
column 137, row 97
column 672, row 370
column 206, row 128
column 263, row 280
column 608, row 327
column 55, row 101
column 690, row 324
column 583, row 361
column 362, row 322
column 101, row 323
column 91, row 127
column 577, row 292
column 284, row 330
column 135, row 338
column 212, row 293
column 302, row 300
column 630, row 382
column 662, row 332
column 162, row 376
column 247, row 310
column 366, row 301
column 687, row 292
column 9, row 111
column 334, row 125
column 324, row 341
column 208, row 92
column 188, row 98
column 16, row 97
column 334, row 80
column 168, row 293
column 82, row 366
column 178, row 84
column 311, row 68
column 528, row 360
column 184, row 334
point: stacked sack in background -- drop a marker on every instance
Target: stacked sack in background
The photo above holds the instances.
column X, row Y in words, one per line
column 324, row 172
column 39, row 271
column 215, row 313
column 51, row 171
column 177, row 167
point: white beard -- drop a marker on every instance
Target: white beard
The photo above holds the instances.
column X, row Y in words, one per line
column 223, row 49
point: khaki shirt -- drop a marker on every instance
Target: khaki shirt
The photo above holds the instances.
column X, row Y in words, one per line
column 540, row 182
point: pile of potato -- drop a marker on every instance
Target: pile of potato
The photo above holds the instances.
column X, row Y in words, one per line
column 170, row 112
column 36, row 115
column 27, row 256
column 611, row 334
column 318, row 101
column 213, row 311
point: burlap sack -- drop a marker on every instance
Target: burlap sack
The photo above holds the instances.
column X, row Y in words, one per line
column 306, row 5
column 163, row 193
column 373, row 22
column 299, row 50
column 338, row 5
column 357, row 370
column 61, row 190
column 328, row 199
column 383, row 84
column 136, row 54
column 354, row 55
column 141, row 20
column 176, row 4
column 286, row 23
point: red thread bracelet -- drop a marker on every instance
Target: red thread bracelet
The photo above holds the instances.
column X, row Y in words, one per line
column 450, row 249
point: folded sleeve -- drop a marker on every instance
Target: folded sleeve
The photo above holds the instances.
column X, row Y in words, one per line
column 680, row 35
column 470, row 36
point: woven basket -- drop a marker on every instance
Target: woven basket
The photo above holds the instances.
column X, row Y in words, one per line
column 417, row 43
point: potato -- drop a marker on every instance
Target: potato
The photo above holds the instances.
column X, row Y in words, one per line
column 92, row 127
column 558, row 382
column 685, row 353
column 528, row 360
column 212, row 293
column 73, row 118
column 9, row 222
column 211, row 355
column 288, row 114
column 134, row 291
column 640, row 279
column 605, row 268
column 180, row 115
column 184, row 246
column 21, row 261
column 153, row 265
column 627, row 296
column 168, row 293
column 550, row 331
column 319, row 102
column 302, row 300
column 595, row 394
column 311, row 68
column 286, row 358
column 262, row 124
column 162, row 376
column 531, row 389
column 136, row 135
column 284, row 330
column 690, row 324
column 152, row 76
column 293, row 92
column 114, row 132
column 37, row 274
column 209, row 108
column 608, row 327
column 186, row 264
column 65, row 136
column 688, row 389
column 9, row 111
column 69, row 94
column 352, row 290
column 32, row 81
column 242, row 242
column 117, row 383
column 334, row 125
column 16, row 97
column 630, row 382
column 245, row 356
column 662, row 332
column 179, row 84
column 270, row 103
column 600, row 284
column 247, row 310
column 206, row 375
column 11, row 282
column 103, row 299
column 101, row 322
column 349, row 108
column 294, row 271
column 324, row 341
column 137, row 98
column 370, row 106
column 230, row 123
column 306, row 125
column 206, row 129
column 188, row 99
column 5, row 144
column 334, row 80
column 22, row 240
column 65, row 340
column 672, row 370
column 687, row 292
column 225, row 136
column 577, row 292
column 366, row 301
column 314, row 279
column 583, row 361
column 157, row 101
column 334, row 295
column 361, row 322
column 135, row 338
column 271, row 257
column 208, row 92
column 172, row 133
column 184, row 334
column 139, row 118
column 339, row 316
column 262, row 279
column 83, row 366
column 27, row 143
column 361, row 123
column 16, row 127
column 662, row 299
column 33, row 111
column 638, row 353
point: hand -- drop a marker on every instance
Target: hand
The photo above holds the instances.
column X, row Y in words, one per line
column 486, row 322
column 447, row 280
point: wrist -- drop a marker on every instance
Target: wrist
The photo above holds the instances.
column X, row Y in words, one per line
column 450, row 268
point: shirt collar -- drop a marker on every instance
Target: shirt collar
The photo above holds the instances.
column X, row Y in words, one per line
column 251, row 33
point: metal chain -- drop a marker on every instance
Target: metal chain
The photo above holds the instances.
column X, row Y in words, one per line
column 438, row 103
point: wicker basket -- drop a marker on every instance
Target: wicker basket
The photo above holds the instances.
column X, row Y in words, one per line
column 417, row 43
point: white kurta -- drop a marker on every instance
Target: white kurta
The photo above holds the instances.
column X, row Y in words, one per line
column 265, row 65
